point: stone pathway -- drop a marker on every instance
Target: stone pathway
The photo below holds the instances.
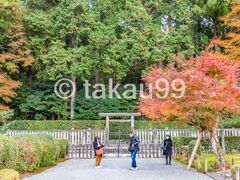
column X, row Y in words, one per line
column 118, row 169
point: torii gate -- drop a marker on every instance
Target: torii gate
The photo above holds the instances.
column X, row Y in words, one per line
column 108, row 115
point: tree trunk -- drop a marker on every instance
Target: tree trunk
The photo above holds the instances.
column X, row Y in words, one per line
column 73, row 98
column 199, row 162
column 30, row 75
column 53, row 116
column 199, row 137
column 97, row 77
column 218, row 150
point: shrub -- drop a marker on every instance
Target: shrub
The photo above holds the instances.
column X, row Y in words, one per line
column 182, row 141
column 63, row 147
column 8, row 152
column 232, row 144
column 9, row 174
column 28, row 152
column 51, row 149
column 36, row 150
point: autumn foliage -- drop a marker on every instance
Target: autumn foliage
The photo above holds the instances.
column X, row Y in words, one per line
column 210, row 92
column 228, row 46
column 14, row 52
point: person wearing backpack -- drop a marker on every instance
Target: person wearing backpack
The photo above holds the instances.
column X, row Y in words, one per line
column 133, row 148
column 98, row 149
column 167, row 149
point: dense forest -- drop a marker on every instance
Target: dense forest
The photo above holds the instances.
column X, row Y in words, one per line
column 45, row 40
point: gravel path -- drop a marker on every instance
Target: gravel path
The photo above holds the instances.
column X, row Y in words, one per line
column 117, row 169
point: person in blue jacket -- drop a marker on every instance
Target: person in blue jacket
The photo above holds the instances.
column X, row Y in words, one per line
column 133, row 148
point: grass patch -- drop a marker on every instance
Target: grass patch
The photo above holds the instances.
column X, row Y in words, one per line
column 212, row 161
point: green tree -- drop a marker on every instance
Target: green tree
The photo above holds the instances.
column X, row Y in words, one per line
column 116, row 39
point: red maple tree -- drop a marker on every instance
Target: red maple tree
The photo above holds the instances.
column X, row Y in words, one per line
column 14, row 52
column 210, row 92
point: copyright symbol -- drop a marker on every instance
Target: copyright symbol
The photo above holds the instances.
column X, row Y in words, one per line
column 64, row 88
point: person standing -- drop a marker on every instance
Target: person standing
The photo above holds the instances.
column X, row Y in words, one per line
column 133, row 148
column 98, row 149
column 167, row 149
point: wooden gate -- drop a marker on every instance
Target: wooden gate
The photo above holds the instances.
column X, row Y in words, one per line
column 86, row 151
column 80, row 151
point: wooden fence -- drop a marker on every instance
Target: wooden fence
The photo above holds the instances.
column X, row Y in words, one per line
column 80, row 141
column 80, row 151
column 150, row 151
column 73, row 136
column 148, row 136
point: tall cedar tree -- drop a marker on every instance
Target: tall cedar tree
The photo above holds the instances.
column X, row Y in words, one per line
column 210, row 92
column 14, row 51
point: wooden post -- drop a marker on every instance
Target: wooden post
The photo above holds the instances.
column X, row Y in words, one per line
column 205, row 165
column 107, row 131
column 69, row 136
column 237, row 174
column 132, row 122
column 223, row 140
column 89, row 135
column 150, row 136
column 85, row 136
column 155, row 137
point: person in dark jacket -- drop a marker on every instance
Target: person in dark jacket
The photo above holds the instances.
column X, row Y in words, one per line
column 133, row 148
column 97, row 145
column 167, row 149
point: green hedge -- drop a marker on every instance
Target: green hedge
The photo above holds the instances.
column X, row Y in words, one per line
column 99, row 124
column 26, row 153
column 231, row 143
column 85, row 124
column 231, row 122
